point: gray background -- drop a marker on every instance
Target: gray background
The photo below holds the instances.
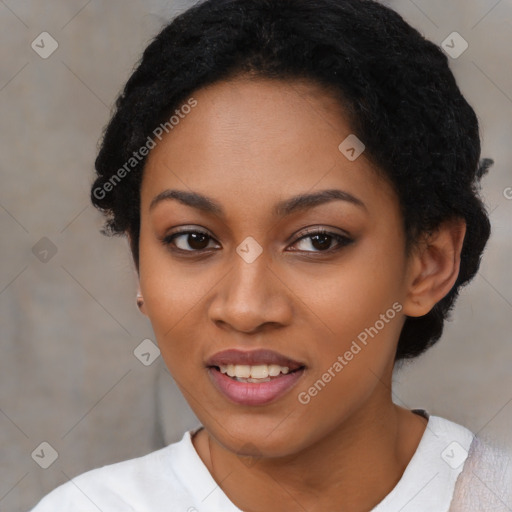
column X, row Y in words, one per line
column 69, row 326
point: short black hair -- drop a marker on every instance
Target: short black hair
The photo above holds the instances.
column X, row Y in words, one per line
column 401, row 98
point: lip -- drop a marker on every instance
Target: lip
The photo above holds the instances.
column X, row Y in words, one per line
column 253, row 393
column 252, row 357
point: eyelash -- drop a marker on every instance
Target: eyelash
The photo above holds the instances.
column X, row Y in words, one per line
column 341, row 240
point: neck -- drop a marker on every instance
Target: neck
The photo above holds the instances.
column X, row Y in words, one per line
column 353, row 468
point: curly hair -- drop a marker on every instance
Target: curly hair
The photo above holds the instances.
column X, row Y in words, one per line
column 401, row 98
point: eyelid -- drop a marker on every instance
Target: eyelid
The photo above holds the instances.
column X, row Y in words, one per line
column 321, row 230
column 167, row 238
column 189, row 229
column 342, row 239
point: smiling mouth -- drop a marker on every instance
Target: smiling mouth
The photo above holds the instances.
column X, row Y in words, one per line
column 263, row 385
column 253, row 377
column 255, row 373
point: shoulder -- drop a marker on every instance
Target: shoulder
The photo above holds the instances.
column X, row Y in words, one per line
column 481, row 466
column 448, row 429
column 136, row 484
column 486, row 479
column 448, row 439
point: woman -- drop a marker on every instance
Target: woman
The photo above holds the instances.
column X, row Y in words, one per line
column 299, row 184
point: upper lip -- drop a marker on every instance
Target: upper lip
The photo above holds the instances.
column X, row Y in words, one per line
column 252, row 358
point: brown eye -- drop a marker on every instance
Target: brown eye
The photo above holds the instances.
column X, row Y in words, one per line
column 188, row 241
column 322, row 241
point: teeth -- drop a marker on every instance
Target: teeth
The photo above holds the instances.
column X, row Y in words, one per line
column 256, row 373
column 259, row 372
column 274, row 369
column 231, row 370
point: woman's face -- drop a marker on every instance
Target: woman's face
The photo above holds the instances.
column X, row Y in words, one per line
column 254, row 276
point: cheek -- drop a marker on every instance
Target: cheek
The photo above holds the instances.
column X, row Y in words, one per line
column 170, row 295
column 349, row 296
column 356, row 306
column 353, row 355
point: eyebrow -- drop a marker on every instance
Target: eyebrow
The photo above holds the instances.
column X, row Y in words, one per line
column 292, row 205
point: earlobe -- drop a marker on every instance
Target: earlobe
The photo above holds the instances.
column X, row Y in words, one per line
column 140, row 302
column 434, row 267
column 140, row 298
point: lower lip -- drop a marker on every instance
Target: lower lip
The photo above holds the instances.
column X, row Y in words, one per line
column 254, row 393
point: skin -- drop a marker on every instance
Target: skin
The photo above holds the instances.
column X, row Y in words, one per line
column 248, row 144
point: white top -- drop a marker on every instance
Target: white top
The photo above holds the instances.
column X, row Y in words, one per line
column 175, row 479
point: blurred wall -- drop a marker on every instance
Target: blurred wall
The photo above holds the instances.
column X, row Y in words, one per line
column 70, row 332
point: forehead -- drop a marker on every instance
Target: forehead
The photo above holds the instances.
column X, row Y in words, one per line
column 255, row 141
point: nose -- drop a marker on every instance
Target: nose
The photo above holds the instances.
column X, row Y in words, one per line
column 252, row 297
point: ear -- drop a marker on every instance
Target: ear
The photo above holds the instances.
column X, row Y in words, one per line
column 141, row 304
column 140, row 298
column 434, row 267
